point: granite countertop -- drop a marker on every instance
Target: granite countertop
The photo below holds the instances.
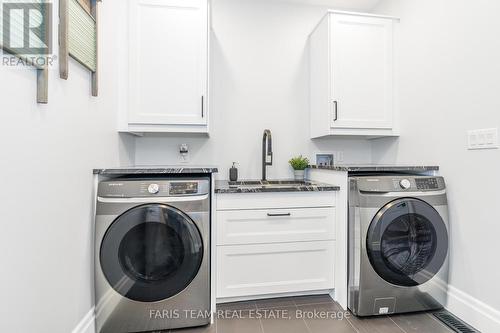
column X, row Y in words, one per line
column 377, row 168
column 155, row 170
column 227, row 187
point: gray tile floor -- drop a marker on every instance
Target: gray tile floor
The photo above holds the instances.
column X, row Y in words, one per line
column 310, row 314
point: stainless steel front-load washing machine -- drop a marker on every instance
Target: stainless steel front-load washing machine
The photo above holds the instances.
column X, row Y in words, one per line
column 152, row 263
column 398, row 244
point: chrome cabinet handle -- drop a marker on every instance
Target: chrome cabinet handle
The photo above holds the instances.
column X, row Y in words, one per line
column 279, row 214
column 335, row 110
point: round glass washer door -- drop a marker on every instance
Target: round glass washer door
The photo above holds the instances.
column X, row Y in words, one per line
column 407, row 242
column 151, row 252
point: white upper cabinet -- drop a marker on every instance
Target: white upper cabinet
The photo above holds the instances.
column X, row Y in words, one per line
column 352, row 76
column 168, row 63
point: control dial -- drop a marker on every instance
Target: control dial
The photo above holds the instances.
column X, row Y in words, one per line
column 154, row 188
column 405, row 184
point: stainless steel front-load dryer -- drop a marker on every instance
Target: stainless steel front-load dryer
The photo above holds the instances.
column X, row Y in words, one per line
column 152, row 259
column 398, row 244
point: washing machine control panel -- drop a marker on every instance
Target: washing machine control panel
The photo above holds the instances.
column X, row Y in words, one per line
column 138, row 188
column 384, row 184
column 427, row 183
column 183, row 188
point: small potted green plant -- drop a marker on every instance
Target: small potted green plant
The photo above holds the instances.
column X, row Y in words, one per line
column 299, row 164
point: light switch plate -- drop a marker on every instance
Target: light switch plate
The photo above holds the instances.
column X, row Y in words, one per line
column 483, row 139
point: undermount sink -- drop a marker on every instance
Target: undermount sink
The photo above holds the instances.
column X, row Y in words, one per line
column 268, row 183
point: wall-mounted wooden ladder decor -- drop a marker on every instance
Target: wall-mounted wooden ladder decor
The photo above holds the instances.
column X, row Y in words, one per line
column 39, row 61
column 78, row 37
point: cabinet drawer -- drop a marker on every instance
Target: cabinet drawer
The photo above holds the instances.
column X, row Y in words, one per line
column 240, row 227
column 245, row 270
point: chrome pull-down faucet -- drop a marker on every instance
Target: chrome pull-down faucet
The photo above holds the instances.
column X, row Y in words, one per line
column 267, row 152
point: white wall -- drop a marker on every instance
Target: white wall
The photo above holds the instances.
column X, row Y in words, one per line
column 449, row 82
column 47, row 156
column 259, row 80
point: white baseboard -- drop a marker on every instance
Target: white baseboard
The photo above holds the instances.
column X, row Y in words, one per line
column 87, row 324
column 474, row 312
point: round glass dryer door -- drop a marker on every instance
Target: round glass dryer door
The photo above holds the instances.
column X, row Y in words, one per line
column 407, row 242
column 151, row 252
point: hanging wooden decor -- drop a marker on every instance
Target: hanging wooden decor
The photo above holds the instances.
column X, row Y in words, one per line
column 78, row 37
column 31, row 45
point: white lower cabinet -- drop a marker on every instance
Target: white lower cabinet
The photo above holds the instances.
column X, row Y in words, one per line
column 268, row 246
column 260, row 269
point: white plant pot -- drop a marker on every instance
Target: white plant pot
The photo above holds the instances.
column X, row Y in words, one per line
column 299, row 174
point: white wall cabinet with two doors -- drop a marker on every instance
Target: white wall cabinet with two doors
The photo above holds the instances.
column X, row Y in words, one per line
column 168, row 67
column 352, row 76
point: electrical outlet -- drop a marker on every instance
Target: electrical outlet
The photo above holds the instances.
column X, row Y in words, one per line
column 184, row 153
column 482, row 139
column 339, row 156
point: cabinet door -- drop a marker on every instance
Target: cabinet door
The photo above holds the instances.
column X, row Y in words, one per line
column 266, row 269
column 362, row 72
column 168, row 62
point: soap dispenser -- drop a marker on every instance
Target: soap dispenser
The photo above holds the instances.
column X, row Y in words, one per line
column 233, row 173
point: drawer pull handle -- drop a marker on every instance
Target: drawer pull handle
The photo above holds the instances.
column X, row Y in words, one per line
column 278, row 215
